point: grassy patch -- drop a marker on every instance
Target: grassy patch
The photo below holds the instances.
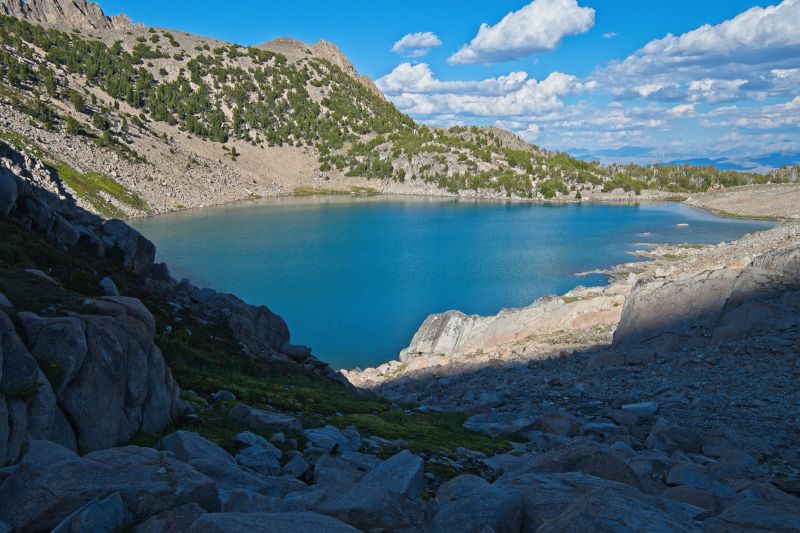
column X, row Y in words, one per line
column 205, row 362
column 92, row 186
column 436, row 432
column 322, row 191
column 21, row 142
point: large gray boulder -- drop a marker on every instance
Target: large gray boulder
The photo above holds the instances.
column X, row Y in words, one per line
column 304, row 522
column 27, row 402
column 51, row 483
column 111, row 380
column 265, row 421
column 329, row 439
column 259, row 331
column 739, row 301
column 385, row 497
column 101, row 515
column 497, row 425
column 659, row 307
column 8, row 191
column 138, row 253
column 588, row 457
column 469, row 504
column 258, row 454
column 210, row 459
column 612, row 510
column 177, row 519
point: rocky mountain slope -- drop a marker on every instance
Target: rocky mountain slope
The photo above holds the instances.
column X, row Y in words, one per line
column 186, row 121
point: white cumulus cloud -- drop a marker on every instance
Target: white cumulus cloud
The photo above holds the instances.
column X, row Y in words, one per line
column 416, row 44
column 754, row 54
column 538, row 27
column 415, row 90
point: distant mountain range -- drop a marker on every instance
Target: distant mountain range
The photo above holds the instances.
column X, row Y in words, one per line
column 644, row 155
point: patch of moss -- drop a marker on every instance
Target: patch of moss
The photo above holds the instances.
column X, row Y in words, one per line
column 21, row 142
column 93, row 186
column 322, row 191
column 434, row 431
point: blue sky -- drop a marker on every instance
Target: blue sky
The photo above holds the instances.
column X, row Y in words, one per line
column 723, row 85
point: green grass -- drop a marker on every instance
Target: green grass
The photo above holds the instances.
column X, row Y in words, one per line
column 321, row 191
column 91, row 186
column 205, row 362
column 21, row 142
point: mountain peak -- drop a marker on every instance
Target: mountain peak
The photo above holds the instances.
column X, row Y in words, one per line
column 70, row 13
column 327, row 50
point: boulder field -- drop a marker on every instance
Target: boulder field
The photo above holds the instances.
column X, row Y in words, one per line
column 676, row 421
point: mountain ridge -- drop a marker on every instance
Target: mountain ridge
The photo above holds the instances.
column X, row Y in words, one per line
column 185, row 121
column 73, row 13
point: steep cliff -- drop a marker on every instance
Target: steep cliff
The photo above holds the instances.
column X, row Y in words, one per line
column 65, row 13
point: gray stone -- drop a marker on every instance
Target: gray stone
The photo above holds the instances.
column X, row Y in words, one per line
column 496, row 425
column 301, row 522
column 52, row 482
column 109, row 287
column 65, row 233
column 41, row 275
column 643, row 409
column 558, row 423
column 178, row 519
column 258, row 454
column 657, row 308
column 113, row 381
column 362, row 461
column 469, row 504
column 8, row 191
column 756, row 516
column 5, row 302
column 203, row 295
column 613, row 511
column 335, row 471
column 383, row 497
column 106, row 515
column 546, row 496
column 695, row 476
column 702, row 498
column 588, row 457
column 296, row 467
column 217, row 464
column 264, row 421
column 139, row 253
column 243, row 501
column 668, row 437
column 329, row 439
column 223, row 395
column 607, row 431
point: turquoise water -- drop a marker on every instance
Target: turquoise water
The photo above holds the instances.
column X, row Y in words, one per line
column 354, row 278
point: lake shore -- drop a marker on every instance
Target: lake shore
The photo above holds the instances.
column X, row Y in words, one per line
column 582, row 319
